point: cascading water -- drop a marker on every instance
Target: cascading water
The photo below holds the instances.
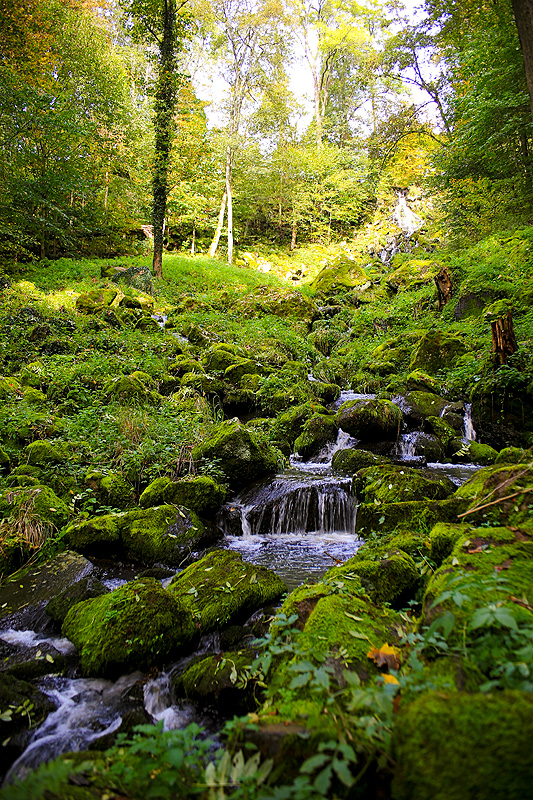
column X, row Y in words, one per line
column 469, row 432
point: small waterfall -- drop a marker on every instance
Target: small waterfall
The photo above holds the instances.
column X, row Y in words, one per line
column 158, row 703
column 406, row 219
column 469, row 432
column 406, row 447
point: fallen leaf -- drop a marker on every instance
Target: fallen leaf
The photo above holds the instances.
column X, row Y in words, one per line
column 506, row 565
column 391, row 679
column 385, row 656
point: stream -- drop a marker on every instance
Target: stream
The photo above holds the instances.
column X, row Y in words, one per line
column 299, row 523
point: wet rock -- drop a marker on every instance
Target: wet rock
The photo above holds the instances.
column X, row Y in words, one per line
column 316, row 432
column 416, row 406
column 23, row 708
column 219, row 680
column 410, row 515
column 351, row 460
column 25, row 656
column 200, row 494
column 84, row 589
column 221, row 589
column 437, row 350
column 24, row 596
column 136, row 626
column 392, row 483
column 288, row 426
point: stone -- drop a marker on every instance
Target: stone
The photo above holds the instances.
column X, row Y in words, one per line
column 437, row 350
column 370, row 420
column 200, row 494
column 317, row 431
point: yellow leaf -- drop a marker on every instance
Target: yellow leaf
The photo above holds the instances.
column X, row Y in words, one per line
column 391, row 679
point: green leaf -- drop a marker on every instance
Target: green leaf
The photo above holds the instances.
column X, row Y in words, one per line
column 505, row 618
column 342, row 771
column 314, row 762
column 300, row 680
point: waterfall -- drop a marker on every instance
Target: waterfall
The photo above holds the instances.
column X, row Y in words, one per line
column 406, row 219
column 469, row 432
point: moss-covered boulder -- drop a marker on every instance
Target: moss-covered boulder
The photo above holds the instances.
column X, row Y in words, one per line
column 342, row 271
column 393, row 483
column 220, row 589
column 351, row 460
column 164, row 534
column 316, row 432
column 370, row 420
column 473, row 452
column 111, row 488
column 413, row 273
column 219, row 357
column 509, row 455
column 443, row 538
column 219, row 680
column 418, row 381
column 43, row 453
column 185, row 364
column 237, row 453
column 128, row 388
column 137, row 626
column 416, row 406
column 410, row 515
column 97, row 299
column 289, row 425
column 34, row 398
column 444, row 432
column 244, row 366
column 437, row 350
column 505, row 492
column 90, row 586
column 35, row 508
column 201, row 494
column 393, row 579
column 457, row 746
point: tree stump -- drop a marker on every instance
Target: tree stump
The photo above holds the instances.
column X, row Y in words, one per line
column 444, row 287
column 500, row 316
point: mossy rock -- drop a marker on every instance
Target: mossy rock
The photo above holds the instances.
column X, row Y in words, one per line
column 412, row 515
column 221, row 589
column 317, row 431
column 127, row 388
column 95, row 300
column 444, row 432
column 237, row 453
column 513, row 455
column 476, row 453
column 458, row 746
column 393, row 580
column 34, row 397
column 416, row 406
column 201, row 494
column 34, row 374
column 393, row 483
column 343, row 271
column 414, row 272
column 289, row 425
column 497, row 483
column 112, row 488
column 370, row 420
column 137, row 626
column 42, row 453
column 326, row 392
column 184, row 364
column 24, row 595
column 437, row 350
column 418, row 381
column 10, row 388
column 160, row 534
column 443, row 538
column 218, row 359
column 245, row 366
column 58, row 607
column 213, row 680
column 351, row 460
column 29, row 707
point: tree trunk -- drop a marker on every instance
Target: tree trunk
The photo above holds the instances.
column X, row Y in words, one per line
column 503, row 338
column 214, row 244
column 294, row 231
column 523, row 15
column 165, row 100
column 230, row 204
column 193, row 242
column 444, row 287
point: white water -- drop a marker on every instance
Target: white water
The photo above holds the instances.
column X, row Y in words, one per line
column 406, row 219
column 469, row 432
column 32, row 639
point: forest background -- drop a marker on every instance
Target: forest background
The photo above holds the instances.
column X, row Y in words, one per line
column 82, row 99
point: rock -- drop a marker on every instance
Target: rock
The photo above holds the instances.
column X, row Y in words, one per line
column 437, row 350
column 200, row 494
column 160, row 534
column 289, row 425
column 5, row 461
column 351, row 460
column 24, row 596
column 444, row 432
column 111, row 488
column 432, row 765
column 509, row 455
column 236, row 371
column 370, row 420
column 499, row 482
column 23, row 708
column 342, row 271
column 219, row 357
column 410, row 515
column 472, row 305
column 416, row 406
column 393, row 580
column 91, row 302
column 472, row 452
column 237, row 453
column 221, row 589
column 418, row 381
column 36, row 511
column 137, row 626
column 184, row 364
column 126, row 388
column 58, row 607
column 43, row 453
column 443, row 537
column 316, row 432
column 213, row 680
column 392, row 483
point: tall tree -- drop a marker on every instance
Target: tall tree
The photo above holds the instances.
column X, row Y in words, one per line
column 162, row 24
column 523, row 14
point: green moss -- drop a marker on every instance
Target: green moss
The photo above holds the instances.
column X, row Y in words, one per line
column 112, row 488
column 235, row 372
column 370, row 420
column 424, row 404
column 214, row 679
column 184, row 364
column 418, row 381
column 237, row 454
column 95, row 300
column 351, row 460
column 392, row 483
column 412, row 515
column 458, row 746
column 441, row 429
column 443, row 538
column 42, row 453
column 437, row 350
column 126, row 388
column 5, row 461
column 10, row 388
column 136, row 626
column 288, row 426
column 505, row 488
column 316, row 432
column 392, row 580
column 34, row 398
column 512, row 455
column 219, row 358
column 481, row 453
column 34, row 506
column 220, row 589
column 342, row 271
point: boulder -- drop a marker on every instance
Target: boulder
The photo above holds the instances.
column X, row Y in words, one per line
column 393, row 483
column 95, row 300
column 437, row 350
column 316, row 432
column 137, row 626
column 370, row 420
column 289, row 425
column 237, row 453
column 393, row 579
column 221, row 589
column 111, row 488
column 416, row 406
column 43, row 453
column 200, row 494
column 219, row 680
column 126, row 388
column 351, row 460
column 23, row 708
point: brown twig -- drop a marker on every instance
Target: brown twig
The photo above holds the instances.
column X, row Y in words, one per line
column 494, row 502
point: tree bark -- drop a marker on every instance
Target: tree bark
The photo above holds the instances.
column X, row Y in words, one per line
column 503, row 338
column 214, row 244
column 523, row 15
column 444, row 287
column 230, row 204
column 165, row 101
